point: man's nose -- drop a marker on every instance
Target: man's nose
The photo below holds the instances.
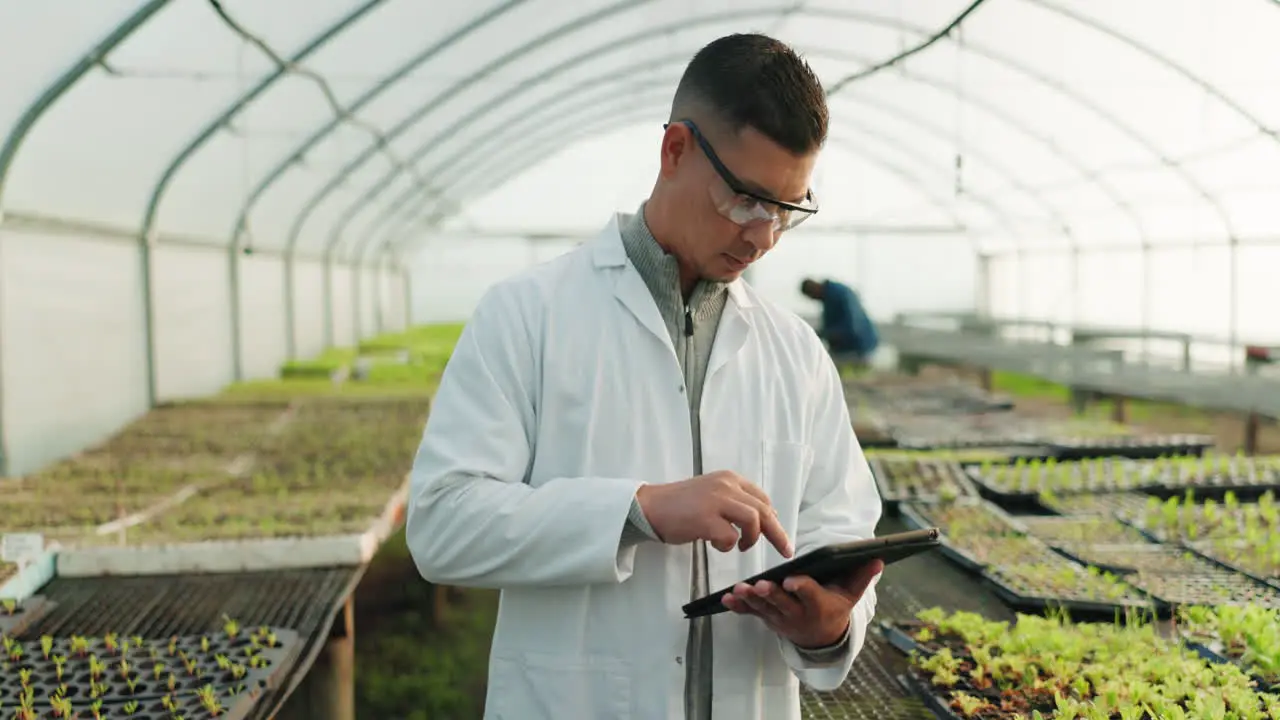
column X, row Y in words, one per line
column 761, row 235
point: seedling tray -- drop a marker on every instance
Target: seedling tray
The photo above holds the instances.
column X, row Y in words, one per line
column 1180, row 575
column 1033, row 600
column 30, row 578
column 1134, row 447
column 188, row 706
column 210, row 664
column 1215, row 653
column 900, row 479
column 923, row 690
column 1104, row 504
column 1210, row 553
column 899, row 639
column 24, row 614
column 238, row 555
column 1067, row 532
column 915, row 520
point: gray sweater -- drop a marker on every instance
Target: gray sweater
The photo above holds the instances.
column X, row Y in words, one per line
column 692, row 324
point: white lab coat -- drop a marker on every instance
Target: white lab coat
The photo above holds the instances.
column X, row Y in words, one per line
column 562, row 397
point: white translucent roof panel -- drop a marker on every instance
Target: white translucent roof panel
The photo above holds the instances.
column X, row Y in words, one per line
column 1040, row 125
column 25, row 76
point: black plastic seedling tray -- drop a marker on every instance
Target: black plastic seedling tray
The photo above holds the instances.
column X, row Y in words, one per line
column 25, row 613
column 1077, row 609
column 891, row 494
column 959, row 557
column 934, row 702
column 189, row 706
column 1134, row 448
column 77, row 682
column 1217, row 655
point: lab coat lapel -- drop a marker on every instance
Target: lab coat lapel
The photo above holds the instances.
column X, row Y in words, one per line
column 735, row 326
column 627, row 284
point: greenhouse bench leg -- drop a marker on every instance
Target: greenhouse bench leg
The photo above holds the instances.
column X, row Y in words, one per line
column 328, row 692
column 1252, row 424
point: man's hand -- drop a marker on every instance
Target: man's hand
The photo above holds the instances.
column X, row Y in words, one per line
column 721, row 508
column 806, row 613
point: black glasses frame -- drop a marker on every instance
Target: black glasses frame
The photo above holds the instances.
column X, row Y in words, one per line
column 732, row 180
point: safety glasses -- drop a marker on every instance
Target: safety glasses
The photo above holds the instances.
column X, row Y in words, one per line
column 744, row 207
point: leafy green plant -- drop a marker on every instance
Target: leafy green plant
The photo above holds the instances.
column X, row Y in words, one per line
column 1048, row 667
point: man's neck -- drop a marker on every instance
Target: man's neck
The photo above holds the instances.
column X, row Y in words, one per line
column 658, row 228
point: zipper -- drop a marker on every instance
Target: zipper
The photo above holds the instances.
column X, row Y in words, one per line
column 688, row 323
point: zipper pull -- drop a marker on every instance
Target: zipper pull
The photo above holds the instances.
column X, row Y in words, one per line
column 688, row 322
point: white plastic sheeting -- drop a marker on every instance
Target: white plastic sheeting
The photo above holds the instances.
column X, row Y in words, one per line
column 1109, row 162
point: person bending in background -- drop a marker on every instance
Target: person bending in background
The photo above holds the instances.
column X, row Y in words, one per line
column 845, row 325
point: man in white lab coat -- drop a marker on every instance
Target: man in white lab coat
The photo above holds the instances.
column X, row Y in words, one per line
column 610, row 414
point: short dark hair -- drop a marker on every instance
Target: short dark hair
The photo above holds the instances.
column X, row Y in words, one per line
column 749, row 79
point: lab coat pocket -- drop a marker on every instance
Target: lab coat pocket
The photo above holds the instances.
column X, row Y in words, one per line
column 554, row 686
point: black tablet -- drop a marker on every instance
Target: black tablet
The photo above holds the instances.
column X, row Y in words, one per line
column 829, row 563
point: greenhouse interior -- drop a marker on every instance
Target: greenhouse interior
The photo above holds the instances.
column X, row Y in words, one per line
column 265, row 233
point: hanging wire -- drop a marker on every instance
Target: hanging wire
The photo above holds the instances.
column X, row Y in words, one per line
column 380, row 138
column 866, row 72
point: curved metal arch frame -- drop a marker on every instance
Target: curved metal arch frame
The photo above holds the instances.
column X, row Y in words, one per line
column 835, row 14
column 359, row 256
column 609, row 119
column 1111, row 119
column 572, row 25
column 1068, row 93
column 1050, row 209
column 364, row 243
column 219, row 122
column 418, row 115
column 422, row 58
column 440, row 169
column 491, row 176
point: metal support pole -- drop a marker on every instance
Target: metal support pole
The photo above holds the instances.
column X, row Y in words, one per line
column 149, row 320
column 290, row 305
column 407, row 312
column 329, row 332
column 237, row 362
column 379, row 294
column 357, row 301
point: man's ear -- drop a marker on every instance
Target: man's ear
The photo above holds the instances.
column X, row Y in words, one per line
column 674, row 149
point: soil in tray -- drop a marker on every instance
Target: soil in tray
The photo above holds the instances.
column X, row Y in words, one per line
column 1030, row 477
column 1184, row 518
column 1072, row 531
column 983, row 669
column 1094, row 504
column 966, row 520
column 227, row 513
column 1002, row 550
column 1060, row 580
column 1224, row 588
column 1259, row 558
column 912, row 479
column 1220, row 470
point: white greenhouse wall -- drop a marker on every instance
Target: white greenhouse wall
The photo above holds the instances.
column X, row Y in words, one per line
column 308, row 307
column 343, row 310
column 72, row 334
column 193, row 321
column 71, row 343
column 263, row 322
